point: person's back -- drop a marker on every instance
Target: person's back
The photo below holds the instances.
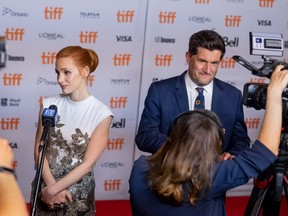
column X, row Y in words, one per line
column 179, row 179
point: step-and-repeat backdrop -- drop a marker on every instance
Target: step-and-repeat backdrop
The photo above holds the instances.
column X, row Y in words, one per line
column 138, row 42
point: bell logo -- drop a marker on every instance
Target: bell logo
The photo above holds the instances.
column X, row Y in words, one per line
column 266, row 3
column 115, row 144
column 202, row 1
column 163, row 60
column 112, row 185
column 48, row 58
column 53, row 13
column 227, row 63
column 118, row 102
column 10, row 123
column 252, row 123
column 125, row 16
column 167, row 17
column 88, row 37
column 14, row 34
column 12, row 79
column 121, row 59
column 232, row 21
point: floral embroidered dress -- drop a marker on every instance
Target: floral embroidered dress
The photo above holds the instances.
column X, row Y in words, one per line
column 66, row 148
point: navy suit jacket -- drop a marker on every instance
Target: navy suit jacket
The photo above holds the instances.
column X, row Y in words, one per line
column 168, row 98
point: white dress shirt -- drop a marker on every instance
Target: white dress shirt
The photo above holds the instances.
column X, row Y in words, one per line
column 193, row 93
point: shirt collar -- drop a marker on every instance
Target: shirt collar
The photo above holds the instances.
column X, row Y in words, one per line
column 191, row 85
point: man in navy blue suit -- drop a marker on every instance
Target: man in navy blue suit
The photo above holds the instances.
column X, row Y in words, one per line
column 168, row 98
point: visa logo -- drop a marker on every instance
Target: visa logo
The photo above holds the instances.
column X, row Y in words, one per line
column 124, row 38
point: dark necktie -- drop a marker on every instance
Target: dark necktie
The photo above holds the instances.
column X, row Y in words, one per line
column 199, row 101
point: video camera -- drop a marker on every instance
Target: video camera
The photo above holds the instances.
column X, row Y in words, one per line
column 266, row 45
column 3, row 55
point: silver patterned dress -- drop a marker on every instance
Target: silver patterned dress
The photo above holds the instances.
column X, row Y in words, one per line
column 66, row 149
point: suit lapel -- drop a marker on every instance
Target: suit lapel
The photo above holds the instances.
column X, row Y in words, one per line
column 218, row 94
column 181, row 94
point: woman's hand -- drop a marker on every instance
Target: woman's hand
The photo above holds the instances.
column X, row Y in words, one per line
column 62, row 198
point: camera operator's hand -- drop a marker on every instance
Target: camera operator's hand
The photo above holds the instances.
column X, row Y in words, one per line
column 271, row 128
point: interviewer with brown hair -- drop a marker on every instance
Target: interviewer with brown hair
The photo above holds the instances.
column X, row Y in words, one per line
column 186, row 177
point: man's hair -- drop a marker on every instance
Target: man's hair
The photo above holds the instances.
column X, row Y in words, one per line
column 207, row 39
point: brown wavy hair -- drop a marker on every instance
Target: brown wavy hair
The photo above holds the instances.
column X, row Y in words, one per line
column 81, row 56
column 184, row 166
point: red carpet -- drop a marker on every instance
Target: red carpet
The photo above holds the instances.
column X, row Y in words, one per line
column 235, row 206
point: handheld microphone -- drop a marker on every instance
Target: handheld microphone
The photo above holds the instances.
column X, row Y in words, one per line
column 49, row 116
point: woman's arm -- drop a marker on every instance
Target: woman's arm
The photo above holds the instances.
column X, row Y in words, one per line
column 46, row 172
column 271, row 127
column 95, row 148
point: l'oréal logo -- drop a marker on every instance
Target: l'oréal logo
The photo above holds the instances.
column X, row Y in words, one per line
column 51, row 36
column 199, row 19
column 112, row 164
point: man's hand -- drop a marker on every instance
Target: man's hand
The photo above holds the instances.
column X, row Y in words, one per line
column 226, row 156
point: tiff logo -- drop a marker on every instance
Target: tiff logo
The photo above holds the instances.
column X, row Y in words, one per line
column 167, row 17
column 232, row 21
column 14, row 164
column 112, row 185
column 53, row 13
column 48, row 58
column 118, row 102
column 252, row 123
column 202, row 1
column 10, row 123
column 121, row 59
column 12, row 79
column 125, row 16
column 14, row 34
column 41, row 100
column 163, row 60
column 91, row 79
column 115, row 144
column 227, row 63
column 88, row 37
column 257, row 80
column 266, row 3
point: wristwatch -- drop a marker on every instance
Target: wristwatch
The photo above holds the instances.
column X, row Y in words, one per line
column 6, row 169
